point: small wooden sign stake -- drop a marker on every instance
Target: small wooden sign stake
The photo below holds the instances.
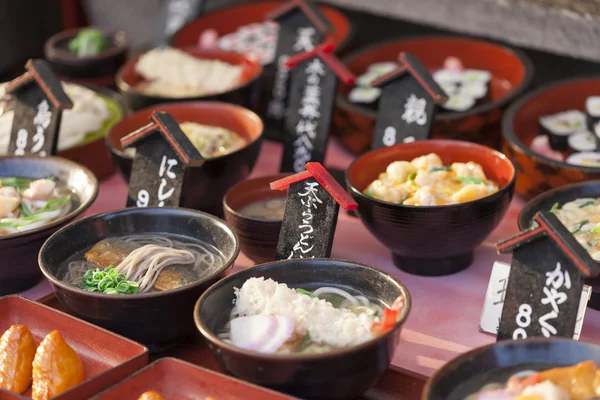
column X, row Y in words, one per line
column 40, row 100
column 301, row 28
column 313, row 202
column 408, row 103
column 163, row 152
column 310, row 106
column 545, row 282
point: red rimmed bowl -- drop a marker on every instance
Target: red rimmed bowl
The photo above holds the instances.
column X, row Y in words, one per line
column 520, row 125
column 511, row 73
column 432, row 240
column 245, row 93
column 228, row 20
column 217, row 175
column 258, row 237
column 96, row 70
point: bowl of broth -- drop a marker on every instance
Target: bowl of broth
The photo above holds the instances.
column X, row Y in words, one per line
column 38, row 195
column 255, row 213
column 229, row 138
column 138, row 271
column 298, row 325
column 537, row 368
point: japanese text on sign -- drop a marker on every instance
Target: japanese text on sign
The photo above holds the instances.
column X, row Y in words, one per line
column 553, row 298
column 309, row 200
column 414, row 110
column 306, row 129
column 42, row 120
column 166, row 166
column 304, row 42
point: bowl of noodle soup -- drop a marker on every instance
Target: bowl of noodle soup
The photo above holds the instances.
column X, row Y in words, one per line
column 335, row 309
column 33, row 219
column 138, row 271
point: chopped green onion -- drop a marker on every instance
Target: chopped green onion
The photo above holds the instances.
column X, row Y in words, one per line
column 55, row 204
column 595, row 230
column 469, row 179
column 587, row 203
column 108, row 281
column 437, row 169
column 306, row 292
column 88, row 42
column 25, row 210
column 554, row 208
column 305, row 341
column 581, row 225
column 412, row 176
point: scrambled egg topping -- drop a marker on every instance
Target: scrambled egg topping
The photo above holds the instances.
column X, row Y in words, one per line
column 425, row 181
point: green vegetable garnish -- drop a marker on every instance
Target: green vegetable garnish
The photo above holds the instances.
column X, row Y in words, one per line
column 305, row 341
column 108, row 281
column 437, row 169
column 587, row 203
column 412, row 176
column 306, row 292
column 554, row 208
column 88, row 42
column 595, row 230
column 469, row 179
column 581, row 224
column 25, row 210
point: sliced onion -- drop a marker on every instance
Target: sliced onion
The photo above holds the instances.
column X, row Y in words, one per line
column 495, row 395
column 252, row 332
column 339, row 292
column 364, row 300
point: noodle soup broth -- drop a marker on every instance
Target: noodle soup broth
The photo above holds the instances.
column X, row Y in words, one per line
column 144, row 263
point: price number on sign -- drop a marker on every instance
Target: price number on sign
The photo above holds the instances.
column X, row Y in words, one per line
column 143, row 198
column 21, row 142
column 389, row 136
column 523, row 321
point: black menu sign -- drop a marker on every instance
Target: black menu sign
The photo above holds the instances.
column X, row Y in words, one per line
column 163, row 152
column 39, row 102
column 310, row 106
column 408, row 103
column 177, row 13
column 301, row 28
column 311, row 212
column 545, row 282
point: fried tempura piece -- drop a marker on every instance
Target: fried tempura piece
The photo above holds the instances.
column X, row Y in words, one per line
column 151, row 395
column 56, row 368
column 17, row 349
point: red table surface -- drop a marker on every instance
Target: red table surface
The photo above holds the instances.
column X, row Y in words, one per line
column 444, row 320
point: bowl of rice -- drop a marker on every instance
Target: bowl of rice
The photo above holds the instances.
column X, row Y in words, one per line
column 165, row 75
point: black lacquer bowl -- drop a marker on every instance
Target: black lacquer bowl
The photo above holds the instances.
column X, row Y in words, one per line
column 432, row 240
column 18, row 268
column 495, row 363
column 209, row 182
column 340, row 374
column 158, row 319
column 562, row 195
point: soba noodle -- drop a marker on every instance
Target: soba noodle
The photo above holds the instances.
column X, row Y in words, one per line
column 144, row 264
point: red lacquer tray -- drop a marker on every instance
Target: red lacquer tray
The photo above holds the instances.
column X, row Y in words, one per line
column 396, row 383
column 176, row 379
column 107, row 358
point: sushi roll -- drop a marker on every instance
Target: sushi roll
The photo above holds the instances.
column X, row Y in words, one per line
column 382, row 68
column 477, row 90
column 592, row 111
column 476, row 75
column 560, row 126
column 459, row 103
column 366, row 79
column 448, row 76
column 582, row 141
column 541, row 146
column 585, row 159
column 364, row 95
